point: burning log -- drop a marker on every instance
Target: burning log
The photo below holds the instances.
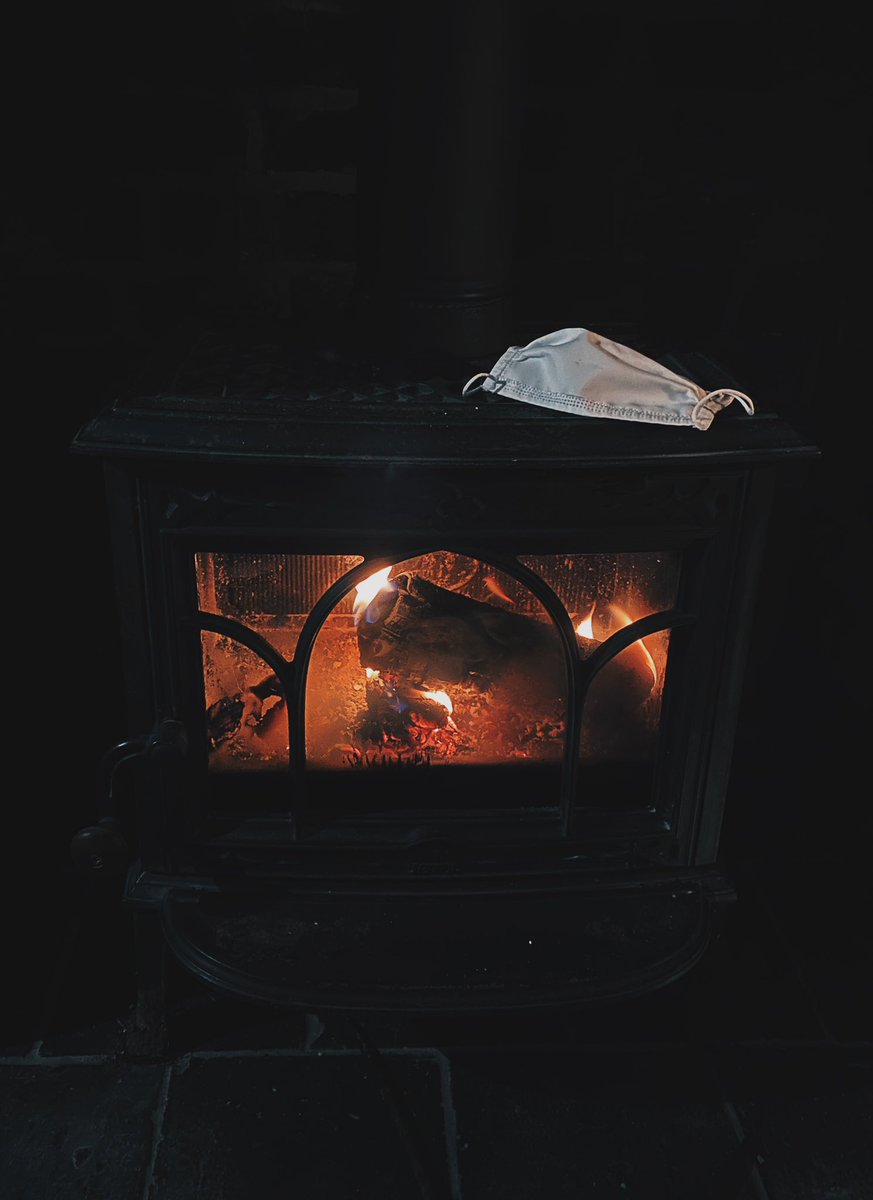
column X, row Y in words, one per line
column 621, row 687
column 403, row 723
column 430, row 636
column 225, row 717
column 416, row 631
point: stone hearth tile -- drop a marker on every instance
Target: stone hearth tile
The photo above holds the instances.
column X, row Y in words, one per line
column 301, row 1125
column 809, row 1111
column 568, row 1124
column 76, row 1131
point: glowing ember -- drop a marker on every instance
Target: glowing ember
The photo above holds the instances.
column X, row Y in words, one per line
column 585, row 628
column 624, row 620
column 371, row 673
column 370, row 587
column 402, row 725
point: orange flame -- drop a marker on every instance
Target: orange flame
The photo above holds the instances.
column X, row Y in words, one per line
column 370, row 587
column 639, row 649
column 585, row 628
column 445, row 700
column 625, row 619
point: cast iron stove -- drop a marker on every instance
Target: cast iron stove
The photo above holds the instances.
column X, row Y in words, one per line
column 432, row 698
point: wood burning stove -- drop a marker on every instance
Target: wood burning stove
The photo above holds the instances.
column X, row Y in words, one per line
column 432, row 698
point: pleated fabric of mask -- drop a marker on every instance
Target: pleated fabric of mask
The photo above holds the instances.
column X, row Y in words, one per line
column 577, row 371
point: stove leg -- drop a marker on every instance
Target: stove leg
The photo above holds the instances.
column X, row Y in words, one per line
column 146, row 1035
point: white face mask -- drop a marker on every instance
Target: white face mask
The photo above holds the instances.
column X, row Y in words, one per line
column 575, row 370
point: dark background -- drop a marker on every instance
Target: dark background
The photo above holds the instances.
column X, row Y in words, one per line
column 691, row 177
column 697, row 180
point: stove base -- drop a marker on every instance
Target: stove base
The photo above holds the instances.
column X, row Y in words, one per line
column 481, row 948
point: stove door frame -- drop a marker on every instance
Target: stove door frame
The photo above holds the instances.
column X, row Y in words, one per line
column 718, row 519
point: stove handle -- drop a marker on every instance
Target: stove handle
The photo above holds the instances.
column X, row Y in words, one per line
column 100, row 847
column 103, row 847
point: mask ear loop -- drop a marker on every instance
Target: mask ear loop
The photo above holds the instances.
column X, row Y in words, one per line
column 468, row 388
column 745, row 401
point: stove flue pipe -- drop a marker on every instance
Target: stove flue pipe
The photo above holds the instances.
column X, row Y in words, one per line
column 438, row 153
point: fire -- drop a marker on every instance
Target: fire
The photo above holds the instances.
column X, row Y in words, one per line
column 370, row 587
column 585, row 628
column 445, row 700
column 624, row 620
column 397, row 727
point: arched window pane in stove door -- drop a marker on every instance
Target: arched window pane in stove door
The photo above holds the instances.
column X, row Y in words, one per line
column 604, row 592
column 445, row 662
column 271, row 594
column 246, row 712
